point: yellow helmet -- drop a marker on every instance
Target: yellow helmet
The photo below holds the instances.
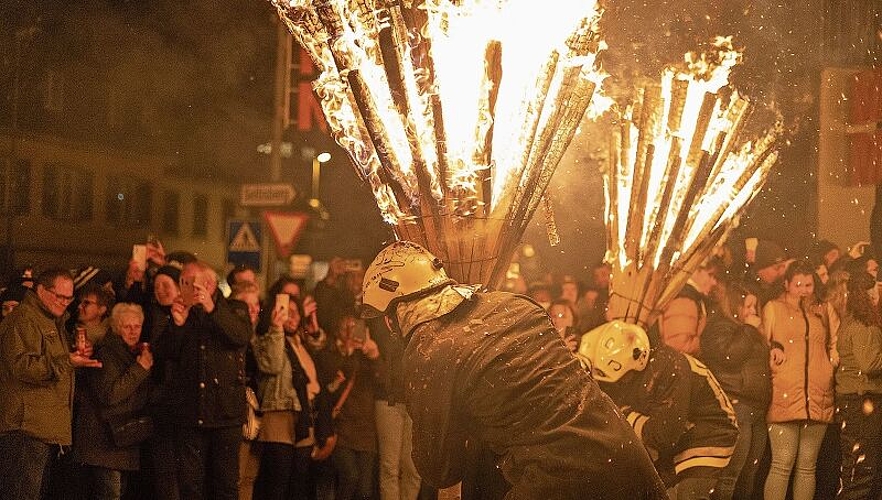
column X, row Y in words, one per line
column 402, row 269
column 613, row 349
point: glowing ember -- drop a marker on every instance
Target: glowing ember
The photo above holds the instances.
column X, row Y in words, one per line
column 455, row 112
column 680, row 174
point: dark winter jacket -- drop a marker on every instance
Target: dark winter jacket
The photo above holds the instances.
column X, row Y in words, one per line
column 495, row 370
column 114, row 393
column 355, row 425
column 209, row 353
column 679, row 410
column 738, row 356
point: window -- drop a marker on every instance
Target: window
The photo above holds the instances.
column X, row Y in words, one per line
column 20, row 184
column 67, row 192
column 171, row 211
column 53, row 91
column 200, row 215
column 129, row 201
column 228, row 211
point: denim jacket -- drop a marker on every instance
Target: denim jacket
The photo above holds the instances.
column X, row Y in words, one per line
column 275, row 385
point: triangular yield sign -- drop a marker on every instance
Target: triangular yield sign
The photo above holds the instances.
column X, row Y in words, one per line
column 286, row 228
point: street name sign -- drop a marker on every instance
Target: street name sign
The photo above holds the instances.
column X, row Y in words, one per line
column 266, row 195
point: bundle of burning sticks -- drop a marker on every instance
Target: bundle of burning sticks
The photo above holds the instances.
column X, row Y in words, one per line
column 455, row 112
column 688, row 156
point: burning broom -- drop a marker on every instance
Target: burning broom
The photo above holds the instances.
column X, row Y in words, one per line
column 682, row 168
column 455, row 112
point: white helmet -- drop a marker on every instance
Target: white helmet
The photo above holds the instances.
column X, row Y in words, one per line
column 402, row 269
column 613, row 349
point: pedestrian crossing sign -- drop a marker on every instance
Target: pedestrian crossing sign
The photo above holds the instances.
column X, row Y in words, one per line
column 244, row 243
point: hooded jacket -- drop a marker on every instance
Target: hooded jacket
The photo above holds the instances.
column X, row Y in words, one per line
column 802, row 386
column 493, row 369
column 36, row 377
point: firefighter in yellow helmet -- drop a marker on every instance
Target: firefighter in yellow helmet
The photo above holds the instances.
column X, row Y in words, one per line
column 489, row 367
column 672, row 401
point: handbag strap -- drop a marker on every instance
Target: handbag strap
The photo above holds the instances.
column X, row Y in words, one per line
column 346, row 391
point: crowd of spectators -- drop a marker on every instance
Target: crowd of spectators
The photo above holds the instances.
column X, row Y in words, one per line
column 138, row 385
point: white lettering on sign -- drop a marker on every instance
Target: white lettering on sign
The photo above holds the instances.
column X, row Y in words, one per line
column 266, row 195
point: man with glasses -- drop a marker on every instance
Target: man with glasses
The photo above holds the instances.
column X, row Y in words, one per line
column 36, row 385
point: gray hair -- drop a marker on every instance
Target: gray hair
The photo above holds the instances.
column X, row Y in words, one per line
column 124, row 309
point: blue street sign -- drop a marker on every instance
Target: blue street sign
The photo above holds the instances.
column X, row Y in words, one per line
column 243, row 243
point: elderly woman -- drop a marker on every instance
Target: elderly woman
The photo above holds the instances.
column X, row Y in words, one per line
column 115, row 394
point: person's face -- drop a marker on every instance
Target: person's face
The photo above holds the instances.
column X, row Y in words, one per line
column 129, row 328
column 748, row 307
column 773, row 273
column 347, row 327
column 543, row 297
column 165, row 289
column 245, row 275
column 293, row 322
column 89, row 310
column 705, row 279
column 561, row 316
column 873, row 268
column 802, row 285
column 8, row 307
column 190, row 276
column 291, row 289
column 253, row 302
column 831, row 257
column 57, row 297
column 570, row 291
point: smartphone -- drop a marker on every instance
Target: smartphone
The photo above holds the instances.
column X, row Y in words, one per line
column 283, row 300
column 139, row 255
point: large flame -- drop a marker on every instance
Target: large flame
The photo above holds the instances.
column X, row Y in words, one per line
column 456, row 112
column 680, row 173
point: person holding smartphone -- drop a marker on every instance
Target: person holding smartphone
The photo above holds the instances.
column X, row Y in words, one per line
column 295, row 429
column 206, row 340
column 349, row 369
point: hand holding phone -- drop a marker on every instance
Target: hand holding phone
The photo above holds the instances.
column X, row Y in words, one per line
column 139, row 256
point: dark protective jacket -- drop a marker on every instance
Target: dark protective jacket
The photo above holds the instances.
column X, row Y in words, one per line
column 679, row 410
column 209, row 353
column 738, row 356
column 495, row 370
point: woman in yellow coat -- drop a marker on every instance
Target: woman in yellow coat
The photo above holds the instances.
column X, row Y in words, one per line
column 802, row 383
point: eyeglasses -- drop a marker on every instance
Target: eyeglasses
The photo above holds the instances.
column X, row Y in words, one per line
column 61, row 298
column 86, row 302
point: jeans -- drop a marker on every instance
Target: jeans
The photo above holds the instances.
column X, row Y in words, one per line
column 104, row 483
column 286, row 472
column 355, row 473
column 249, row 464
column 737, row 479
column 693, row 488
column 399, row 479
column 793, row 443
column 209, row 458
column 861, row 445
column 24, row 465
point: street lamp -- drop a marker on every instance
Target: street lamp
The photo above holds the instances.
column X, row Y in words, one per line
column 316, row 172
